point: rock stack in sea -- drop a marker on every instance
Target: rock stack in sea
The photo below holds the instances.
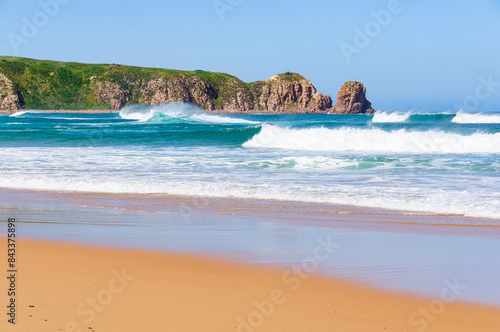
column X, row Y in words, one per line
column 351, row 99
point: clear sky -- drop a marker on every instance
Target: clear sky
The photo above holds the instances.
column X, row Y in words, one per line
column 422, row 54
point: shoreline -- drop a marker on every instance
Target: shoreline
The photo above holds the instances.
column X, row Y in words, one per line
column 156, row 291
column 388, row 249
column 301, row 211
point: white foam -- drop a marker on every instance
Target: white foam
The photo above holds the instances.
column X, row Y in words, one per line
column 220, row 119
column 373, row 140
column 183, row 111
column 371, row 194
column 318, row 163
column 383, row 117
column 463, row 117
column 219, row 173
column 21, row 113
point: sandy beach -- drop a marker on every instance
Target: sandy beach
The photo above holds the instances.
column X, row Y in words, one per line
column 67, row 287
column 176, row 167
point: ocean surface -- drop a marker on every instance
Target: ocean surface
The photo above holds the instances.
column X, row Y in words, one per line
column 439, row 163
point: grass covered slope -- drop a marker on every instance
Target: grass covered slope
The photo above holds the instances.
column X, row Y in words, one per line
column 70, row 85
column 52, row 85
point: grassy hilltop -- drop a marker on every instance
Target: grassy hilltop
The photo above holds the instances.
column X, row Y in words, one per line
column 69, row 85
column 52, row 85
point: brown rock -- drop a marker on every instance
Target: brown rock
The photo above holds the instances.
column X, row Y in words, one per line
column 10, row 98
column 178, row 88
column 289, row 93
column 112, row 93
column 351, row 99
column 234, row 97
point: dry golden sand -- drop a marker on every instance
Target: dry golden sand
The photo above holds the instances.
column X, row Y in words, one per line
column 150, row 291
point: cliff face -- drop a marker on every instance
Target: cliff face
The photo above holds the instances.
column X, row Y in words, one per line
column 36, row 84
column 289, row 92
column 351, row 99
column 285, row 93
column 177, row 88
column 9, row 96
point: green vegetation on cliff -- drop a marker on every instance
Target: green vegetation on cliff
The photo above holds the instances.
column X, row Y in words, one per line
column 41, row 84
column 70, row 85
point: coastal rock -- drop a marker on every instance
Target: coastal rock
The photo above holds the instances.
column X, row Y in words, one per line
column 10, row 97
column 177, row 88
column 284, row 93
column 289, row 93
column 234, row 97
column 351, row 99
column 54, row 85
column 112, row 94
column 201, row 92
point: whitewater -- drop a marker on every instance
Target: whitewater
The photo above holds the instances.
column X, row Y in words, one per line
column 445, row 163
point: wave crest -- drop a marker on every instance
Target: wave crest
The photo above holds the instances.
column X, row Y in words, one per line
column 373, row 140
column 175, row 112
column 383, row 116
column 463, row 117
column 19, row 113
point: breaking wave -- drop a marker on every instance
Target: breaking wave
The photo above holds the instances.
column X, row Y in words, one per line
column 176, row 112
column 15, row 115
column 373, row 140
column 463, row 117
column 383, row 116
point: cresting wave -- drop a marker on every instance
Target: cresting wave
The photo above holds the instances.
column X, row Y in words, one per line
column 374, row 140
column 15, row 115
column 383, row 117
column 463, row 117
column 176, row 112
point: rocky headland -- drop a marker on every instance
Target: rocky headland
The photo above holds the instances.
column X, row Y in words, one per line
column 51, row 85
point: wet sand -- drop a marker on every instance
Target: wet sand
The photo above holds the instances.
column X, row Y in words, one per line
column 187, row 264
column 67, row 287
column 317, row 214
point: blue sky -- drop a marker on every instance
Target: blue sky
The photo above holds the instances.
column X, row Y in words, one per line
column 422, row 54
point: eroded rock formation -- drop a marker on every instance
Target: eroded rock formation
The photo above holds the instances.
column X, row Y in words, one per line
column 9, row 95
column 351, row 99
column 41, row 84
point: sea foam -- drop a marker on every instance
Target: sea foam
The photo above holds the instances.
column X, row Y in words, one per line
column 373, row 140
column 383, row 116
column 176, row 111
column 463, row 117
column 15, row 115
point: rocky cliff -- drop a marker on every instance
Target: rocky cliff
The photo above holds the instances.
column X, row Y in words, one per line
column 351, row 99
column 9, row 94
column 36, row 84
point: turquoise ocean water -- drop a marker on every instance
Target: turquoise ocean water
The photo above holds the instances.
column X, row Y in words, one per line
column 439, row 163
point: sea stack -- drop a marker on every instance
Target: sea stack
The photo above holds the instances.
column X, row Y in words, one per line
column 351, row 99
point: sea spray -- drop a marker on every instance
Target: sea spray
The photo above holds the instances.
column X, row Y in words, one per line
column 176, row 111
